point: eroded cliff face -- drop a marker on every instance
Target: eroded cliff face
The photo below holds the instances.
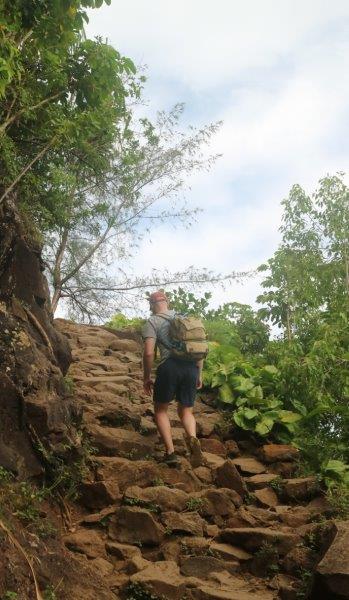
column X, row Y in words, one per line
column 33, row 356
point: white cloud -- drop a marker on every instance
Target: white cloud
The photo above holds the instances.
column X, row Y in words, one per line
column 277, row 73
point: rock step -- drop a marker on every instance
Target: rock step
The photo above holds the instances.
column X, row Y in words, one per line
column 182, row 532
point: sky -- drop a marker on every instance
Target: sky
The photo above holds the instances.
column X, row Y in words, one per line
column 277, row 75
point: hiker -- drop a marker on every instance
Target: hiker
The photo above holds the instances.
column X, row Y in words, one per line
column 174, row 378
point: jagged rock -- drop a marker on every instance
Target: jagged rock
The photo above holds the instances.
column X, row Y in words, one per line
column 102, row 566
column 120, row 442
column 185, row 523
column 206, row 424
column 135, row 564
column 279, row 452
column 300, row 488
column 242, row 518
column 100, row 518
column 117, row 417
column 253, row 538
column 262, row 515
column 99, row 494
column 143, row 473
column 167, row 499
column 283, row 469
column 232, row 448
column 296, row 516
column 297, row 559
column 122, row 551
column 162, row 579
column 218, row 501
column 213, row 460
column 212, row 531
column 266, row 497
column 249, row 465
column 229, row 552
column 204, row 474
column 86, row 541
column 228, row 476
column 133, row 525
column 229, row 588
column 332, row 572
column 171, row 550
column 257, row 482
column 125, row 346
column 203, row 566
column 213, row 446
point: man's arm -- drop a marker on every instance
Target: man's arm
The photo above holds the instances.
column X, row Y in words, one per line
column 199, row 364
column 148, row 359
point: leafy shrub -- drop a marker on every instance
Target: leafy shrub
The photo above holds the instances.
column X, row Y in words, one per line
column 248, row 390
column 120, row 321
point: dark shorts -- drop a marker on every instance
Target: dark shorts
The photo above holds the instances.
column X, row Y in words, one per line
column 176, row 379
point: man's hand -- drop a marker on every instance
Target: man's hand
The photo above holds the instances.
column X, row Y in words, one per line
column 148, row 385
column 199, row 382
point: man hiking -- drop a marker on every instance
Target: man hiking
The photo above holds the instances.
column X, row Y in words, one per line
column 175, row 378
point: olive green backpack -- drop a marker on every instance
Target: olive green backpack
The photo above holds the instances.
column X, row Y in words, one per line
column 188, row 337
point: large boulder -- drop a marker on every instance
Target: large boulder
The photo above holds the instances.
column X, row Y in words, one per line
column 162, row 579
column 135, row 525
column 332, row 572
column 252, row 538
column 228, row 476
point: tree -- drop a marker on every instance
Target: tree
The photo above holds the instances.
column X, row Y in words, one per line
column 149, row 167
column 308, row 275
column 62, row 102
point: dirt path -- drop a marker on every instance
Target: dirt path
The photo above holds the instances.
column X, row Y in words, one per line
column 241, row 527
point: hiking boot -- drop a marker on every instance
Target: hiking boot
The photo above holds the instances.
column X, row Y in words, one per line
column 171, row 460
column 196, row 456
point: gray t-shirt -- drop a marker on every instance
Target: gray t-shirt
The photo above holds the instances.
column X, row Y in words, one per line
column 159, row 328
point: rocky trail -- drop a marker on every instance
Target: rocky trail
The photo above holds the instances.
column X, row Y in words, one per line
column 242, row 527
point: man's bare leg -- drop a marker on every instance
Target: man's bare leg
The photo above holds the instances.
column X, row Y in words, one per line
column 187, row 418
column 163, row 424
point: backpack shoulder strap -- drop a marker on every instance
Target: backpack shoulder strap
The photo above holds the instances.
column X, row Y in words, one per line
column 166, row 317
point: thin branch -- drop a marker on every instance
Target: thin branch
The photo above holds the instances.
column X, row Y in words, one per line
column 10, row 120
column 27, row 168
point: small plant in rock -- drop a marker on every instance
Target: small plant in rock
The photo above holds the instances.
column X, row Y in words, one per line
column 306, row 578
column 267, row 559
column 168, row 530
column 68, row 384
column 277, row 485
column 157, row 481
column 50, row 593
column 136, row 591
column 10, row 596
column 250, row 498
column 5, row 476
column 338, row 498
column 195, row 504
column 132, row 501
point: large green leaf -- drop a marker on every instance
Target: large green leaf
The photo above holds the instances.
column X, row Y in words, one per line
column 287, row 416
column 264, row 426
column 240, row 421
column 225, row 394
column 250, row 413
column 255, row 393
column 241, row 384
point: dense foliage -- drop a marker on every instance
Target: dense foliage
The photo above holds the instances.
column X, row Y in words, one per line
column 294, row 387
column 85, row 172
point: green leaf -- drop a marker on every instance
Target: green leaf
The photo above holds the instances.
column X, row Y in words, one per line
column 240, row 421
column 255, row 393
column 250, row 413
column 287, row 416
column 265, row 426
column 225, row 394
